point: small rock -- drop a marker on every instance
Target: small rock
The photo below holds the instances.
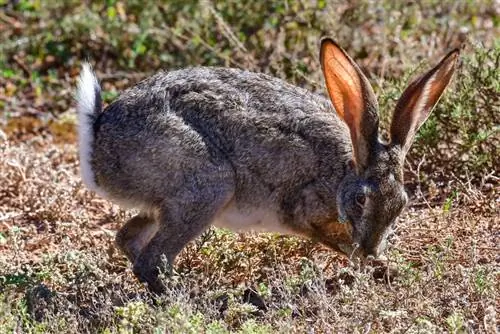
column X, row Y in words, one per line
column 250, row 296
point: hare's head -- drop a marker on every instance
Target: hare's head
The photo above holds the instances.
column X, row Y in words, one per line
column 372, row 196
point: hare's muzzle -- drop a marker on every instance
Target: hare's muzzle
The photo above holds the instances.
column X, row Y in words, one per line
column 370, row 250
column 364, row 250
column 358, row 254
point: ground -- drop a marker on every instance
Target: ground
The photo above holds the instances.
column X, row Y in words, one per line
column 59, row 268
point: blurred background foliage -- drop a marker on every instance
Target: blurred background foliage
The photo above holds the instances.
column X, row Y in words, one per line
column 42, row 44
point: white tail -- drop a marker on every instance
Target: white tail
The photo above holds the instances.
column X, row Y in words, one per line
column 88, row 106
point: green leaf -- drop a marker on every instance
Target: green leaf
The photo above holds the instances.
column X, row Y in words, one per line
column 111, row 12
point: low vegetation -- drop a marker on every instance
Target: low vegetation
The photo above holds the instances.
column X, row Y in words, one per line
column 59, row 269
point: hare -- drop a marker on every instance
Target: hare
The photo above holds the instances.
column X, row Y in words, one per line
column 227, row 147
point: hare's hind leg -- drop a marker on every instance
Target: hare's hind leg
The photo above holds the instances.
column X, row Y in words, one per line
column 173, row 234
column 178, row 223
column 136, row 234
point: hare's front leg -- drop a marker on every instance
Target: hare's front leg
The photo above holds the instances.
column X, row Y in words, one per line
column 136, row 234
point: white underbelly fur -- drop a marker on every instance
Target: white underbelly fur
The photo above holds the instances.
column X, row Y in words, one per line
column 250, row 219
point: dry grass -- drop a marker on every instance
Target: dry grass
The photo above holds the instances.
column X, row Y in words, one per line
column 59, row 269
column 62, row 272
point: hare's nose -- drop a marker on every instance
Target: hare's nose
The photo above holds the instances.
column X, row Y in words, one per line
column 371, row 253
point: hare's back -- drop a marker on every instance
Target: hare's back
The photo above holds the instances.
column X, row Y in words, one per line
column 272, row 135
column 228, row 89
column 256, row 120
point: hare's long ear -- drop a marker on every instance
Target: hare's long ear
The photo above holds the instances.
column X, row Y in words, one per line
column 417, row 101
column 353, row 99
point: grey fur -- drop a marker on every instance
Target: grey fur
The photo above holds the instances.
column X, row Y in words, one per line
column 186, row 145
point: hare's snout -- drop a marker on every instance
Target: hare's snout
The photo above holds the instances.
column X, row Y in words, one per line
column 367, row 250
column 358, row 253
column 374, row 251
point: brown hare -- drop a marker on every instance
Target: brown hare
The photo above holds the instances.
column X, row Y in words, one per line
column 227, row 147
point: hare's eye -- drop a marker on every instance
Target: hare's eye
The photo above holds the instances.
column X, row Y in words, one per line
column 360, row 200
